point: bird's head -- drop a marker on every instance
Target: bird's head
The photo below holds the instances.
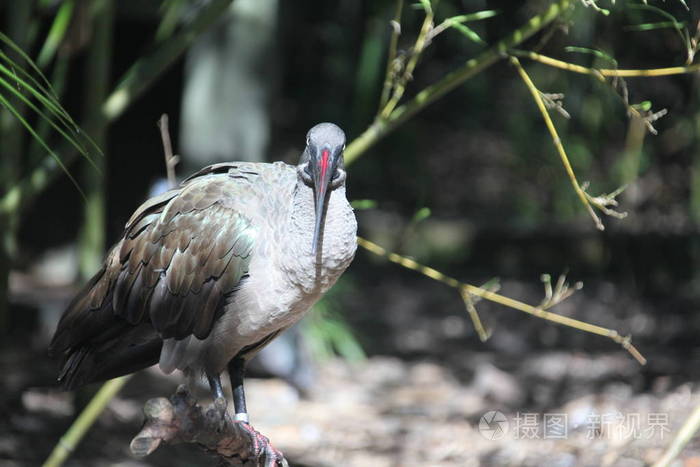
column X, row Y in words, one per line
column 321, row 167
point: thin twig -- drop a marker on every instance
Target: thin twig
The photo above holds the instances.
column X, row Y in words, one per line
column 171, row 160
column 605, row 72
column 382, row 127
column 407, row 75
column 391, row 57
column 602, row 202
column 463, row 288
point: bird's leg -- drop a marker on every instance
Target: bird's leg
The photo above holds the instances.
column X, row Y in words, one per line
column 218, row 392
column 261, row 444
column 236, row 371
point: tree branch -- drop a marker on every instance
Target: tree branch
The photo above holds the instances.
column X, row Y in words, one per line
column 603, row 72
column 180, row 420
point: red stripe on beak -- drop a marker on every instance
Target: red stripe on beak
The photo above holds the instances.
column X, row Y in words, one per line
column 320, row 187
column 324, row 163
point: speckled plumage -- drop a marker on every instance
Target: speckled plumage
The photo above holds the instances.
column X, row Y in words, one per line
column 206, row 272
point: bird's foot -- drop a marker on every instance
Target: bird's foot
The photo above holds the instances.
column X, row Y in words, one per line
column 263, row 451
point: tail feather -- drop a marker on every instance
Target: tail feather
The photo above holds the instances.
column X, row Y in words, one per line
column 136, row 348
column 94, row 343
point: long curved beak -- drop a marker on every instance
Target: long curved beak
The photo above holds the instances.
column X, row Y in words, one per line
column 322, row 176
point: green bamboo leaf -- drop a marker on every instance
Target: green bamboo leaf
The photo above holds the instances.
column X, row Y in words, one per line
column 595, row 52
column 56, row 33
column 424, row 5
column 468, row 32
column 344, row 342
column 363, row 204
column 52, row 104
column 10, row 43
column 653, row 26
column 654, row 9
column 479, row 15
column 35, row 86
column 31, row 105
column 38, row 138
column 643, row 106
column 48, row 97
column 172, row 12
column 421, row 215
column 53, row 108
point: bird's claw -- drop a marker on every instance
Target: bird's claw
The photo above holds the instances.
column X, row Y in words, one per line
column 263, row 451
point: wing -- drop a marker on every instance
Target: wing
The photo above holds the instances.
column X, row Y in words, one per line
column 182, row 257
column 178, row 265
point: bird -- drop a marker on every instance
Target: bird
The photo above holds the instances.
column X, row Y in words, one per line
column 208, row 273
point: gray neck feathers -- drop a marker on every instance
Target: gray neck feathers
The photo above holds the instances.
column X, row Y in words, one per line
column 338, row 239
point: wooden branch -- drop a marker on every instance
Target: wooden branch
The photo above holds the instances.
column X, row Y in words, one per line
column 171, row 160
column 180, row 419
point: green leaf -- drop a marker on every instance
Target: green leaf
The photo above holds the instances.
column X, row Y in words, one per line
column 53, row 107
column 594, row 52
column 4, row 102
column 20, row 83
column 33, row 86
column 467, row 32
column 421, row 215
column 363, row 204
column 653, row 26
column 479, row 15
column 654, row 9
column 56, row 33
column 15, row 48
column 424, row 5
column 48, row 119
column 328, row 334
column 173, row 10
column 643, row 106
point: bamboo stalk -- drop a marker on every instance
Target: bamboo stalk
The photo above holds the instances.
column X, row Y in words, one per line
column 684, row 435
column 607, row 72
column 92, row 235
column 467, row 290
column 82, row 424
column 383, row 126
column 18, row 20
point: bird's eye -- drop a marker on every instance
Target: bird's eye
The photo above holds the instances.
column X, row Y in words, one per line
column 336, row 174
column 307, row 170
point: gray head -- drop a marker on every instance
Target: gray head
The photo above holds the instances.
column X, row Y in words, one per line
column 321, row 167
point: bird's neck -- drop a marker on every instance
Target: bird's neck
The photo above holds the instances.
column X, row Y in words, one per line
column 337, row 239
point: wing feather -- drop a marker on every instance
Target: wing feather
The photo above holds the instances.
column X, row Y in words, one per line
column 181, row 259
